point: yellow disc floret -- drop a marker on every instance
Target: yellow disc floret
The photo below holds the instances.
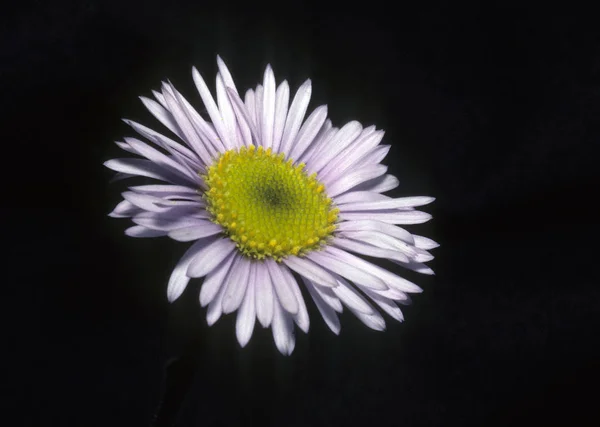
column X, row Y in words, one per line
column 268, row 206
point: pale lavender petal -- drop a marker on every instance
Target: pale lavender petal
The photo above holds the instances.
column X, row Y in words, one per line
column 328, row 314
column 348, row 133
column 215, row 280
column 258, row 95
column 324, row 135
column 159, row 158
column 268, row 109
column 210, row 257
column 237, row 282
column 282, row 98
column 382, row 274
column 418, row 267
column 390, row 217
column 215, row 308
column 382, row 240
column 227, row 114
column 143, row 167
column 301, row 318
column 211, row 108
column 347, row 270
column 283, row 330
column 402, row 202
column 227, row 79
column 283, row 286
column 379, row 185
column 372, row 225
column 387, row 305
column 327, row 295
column 351, row 298
column 179, row 280
column 124, row 209
column 250, row 102
column 166, row 221
column 244, row 324
column 264, row 295
column 139, row 231
column 359, row 196
column 354, row 178
column 295, row 117
column 424, row 242
column 163, row 115
column 194, row 232
column 374, row 321
column 309, row 131
column 243, row 116
column 369, row 250
column 306, row 268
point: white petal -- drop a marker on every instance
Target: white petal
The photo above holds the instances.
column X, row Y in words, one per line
column 310, row 270
column 384, row 241
column 387, row 305
column 382, row 274
column 236, row 286
column 348, row 133
column 244, row 324
column 354, row 178
column 283, row 286
column 166, row 221
column 359, row 197
column 227, row 79
column 372, row 225
column 210, row 257
column 227, row 114
column 391, row 217
column 185, row 119
column 215, row 280
column 264, row 295
column 139, row 231
column 161, row 190
column 324, row 135
column 163, row 115
column 347, row 270
column 243, row 116
column 402, row 202
column 369, row 250
column 250, row 102
column 164, row 142
column 374, row 321
column 283, row 330
column 258, row 95
column 309, row 132
column 424, row 242
column 301, row 318
column 194, row 232
column 212, row 109
column 282, row 98
column 328, row 314
column 327, row 296
column 295, row 116
column 143, row 167
column 125, row 209
column 378, row 185
column 178, row 280
column 215, row 308
column 418, row 267
column 352, row 299
column 268, row 110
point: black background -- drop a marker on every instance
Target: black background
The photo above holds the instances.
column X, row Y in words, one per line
column 494, row 110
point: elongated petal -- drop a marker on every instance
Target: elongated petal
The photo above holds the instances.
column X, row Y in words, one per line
column 283, row 330
column 194, row 232
column 179, row 280
column 210, row 257
column 215, row 280
column 295, row 116
column 244, row 324
column 283, row 286
column 328, row 314
column 306, row 268
column 236, row 286
column 139, row 231
column 264, row 296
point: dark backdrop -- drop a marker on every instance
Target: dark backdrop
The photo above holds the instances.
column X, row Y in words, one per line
column 493, row 110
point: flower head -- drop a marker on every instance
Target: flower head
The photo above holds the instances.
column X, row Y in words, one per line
column 267, row 197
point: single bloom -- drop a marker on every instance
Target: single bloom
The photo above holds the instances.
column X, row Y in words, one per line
column 272, row 200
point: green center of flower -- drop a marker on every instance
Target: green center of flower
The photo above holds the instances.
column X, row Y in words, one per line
column 268, row 206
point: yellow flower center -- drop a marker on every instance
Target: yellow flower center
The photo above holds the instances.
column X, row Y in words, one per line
column 268, row 206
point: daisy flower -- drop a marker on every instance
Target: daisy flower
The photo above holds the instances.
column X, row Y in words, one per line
column 272, row 201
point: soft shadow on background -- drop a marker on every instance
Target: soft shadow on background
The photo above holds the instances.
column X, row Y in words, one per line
column 495, row 111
